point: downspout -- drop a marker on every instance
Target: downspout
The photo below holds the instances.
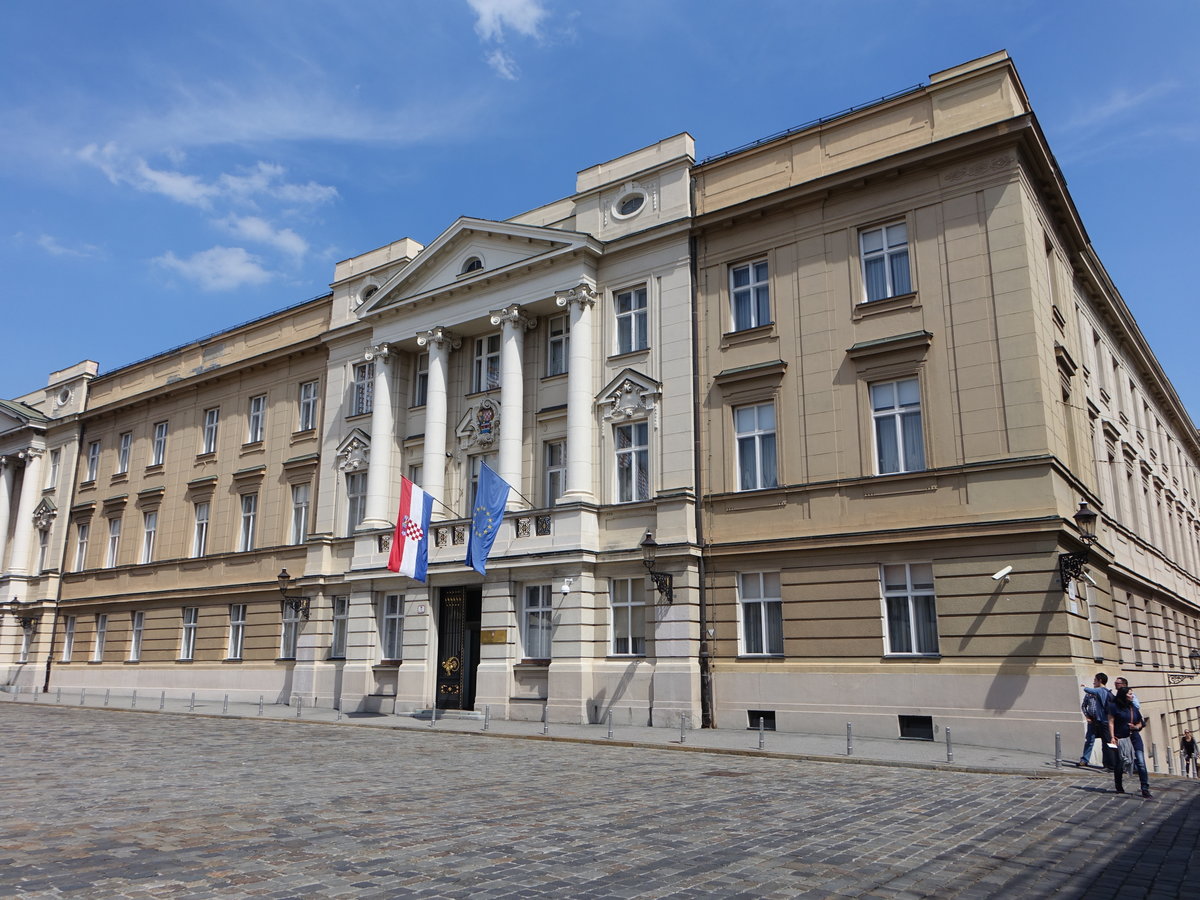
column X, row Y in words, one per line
column 706, row 705
column 62, row 566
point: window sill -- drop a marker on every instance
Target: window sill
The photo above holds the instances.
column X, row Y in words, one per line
column 130, row 662
column 206, row 456
column 154, row 468
column 747, row 335
column 285, row 659
column 232, row 659
column 532, row 664
column 87, row 485
column 629, row 354
column 479, row 392
column 760, row 656
column 912, row 656
column 251, row 447
column 886, row 304
column 358, row 415
column 386, row 664
column 551, row 376
column 185, row 660
column 617, row 657
column 118, row 478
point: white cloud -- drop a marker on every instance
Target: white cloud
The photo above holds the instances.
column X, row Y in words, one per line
column 493, row 16
column 1118, row 103
column 254, row 228
column 503, row 64
column 218, row 268
column 51, row 245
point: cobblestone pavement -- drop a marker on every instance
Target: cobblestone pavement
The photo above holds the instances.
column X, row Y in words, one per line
column 106, row 803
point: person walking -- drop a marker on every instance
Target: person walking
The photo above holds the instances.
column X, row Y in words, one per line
column 1187, row 750
column 1126, row 723
column 1095, row 709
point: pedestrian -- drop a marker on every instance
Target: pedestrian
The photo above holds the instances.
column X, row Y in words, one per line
column 1121, row 682
column 1095, row 709
column 1187, row 749
column 1126, row 724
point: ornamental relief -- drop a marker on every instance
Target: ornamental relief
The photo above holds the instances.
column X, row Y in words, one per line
column 354, row 452
column 979, row 168
column 480, row 427
column 629, row 400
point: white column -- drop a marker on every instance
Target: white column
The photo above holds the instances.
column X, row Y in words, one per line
column 440, row 342
column 513, row 325
column 30, row 490
column 7, row 469
column 580, row 420
column 383, row 441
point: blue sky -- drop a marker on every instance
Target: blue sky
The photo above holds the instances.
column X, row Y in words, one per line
column 171, row 169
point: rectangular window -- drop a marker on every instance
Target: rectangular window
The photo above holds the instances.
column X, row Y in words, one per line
column 420, row 384
column 558, row 344
column 289, row 636
column 256, row 419
column 124, row 445
column 910, row 610
column 556, row 470
column 26, row 644
column 98, row 643
column 237, row 630
column 633, row 462
column 762, row 613
column 82, row 530
column 137, row 628
column 356, row 500
column 391, row 618
column 535, row 621
column 633, row 330
column 52, row 469
column 212, row 419
column 43, row 549
column 68, row 638
column 114, row 542
column 341, row 627
column 885, row 261
column 485, row 373
column 477, row 463
column 149, row 531
column 299, row 513
column 750, row 295
column 627, row 596
column 362, row 393
column 159, row 453
column 308, row 406
column 93, row 461
column 754, row 427
column 249, row 514
column 200, row 532
column 896, row 410
column 187, row 639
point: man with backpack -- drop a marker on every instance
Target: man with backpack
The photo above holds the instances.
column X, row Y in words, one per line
column 1095, row 709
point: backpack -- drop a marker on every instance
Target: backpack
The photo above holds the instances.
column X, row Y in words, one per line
column 1091, row 707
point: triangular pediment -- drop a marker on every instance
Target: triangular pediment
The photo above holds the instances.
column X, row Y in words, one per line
column 15, row 415
column 473, row 251
column 354, row 451
column 632, row 394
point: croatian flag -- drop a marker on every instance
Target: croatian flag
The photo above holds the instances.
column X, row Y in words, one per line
column 410, row 543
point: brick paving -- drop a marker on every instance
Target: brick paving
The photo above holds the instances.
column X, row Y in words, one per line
column 110, row 803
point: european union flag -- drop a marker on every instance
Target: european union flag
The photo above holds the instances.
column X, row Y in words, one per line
column 490, row 497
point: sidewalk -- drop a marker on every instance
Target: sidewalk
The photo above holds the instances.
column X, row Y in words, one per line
column 816, row 747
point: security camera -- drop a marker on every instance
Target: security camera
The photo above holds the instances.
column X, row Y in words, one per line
column 1087, row 576
column 1002, row 575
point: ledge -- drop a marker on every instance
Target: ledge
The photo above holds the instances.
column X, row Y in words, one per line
column 913, row 340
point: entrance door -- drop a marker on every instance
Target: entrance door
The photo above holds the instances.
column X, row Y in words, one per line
column 458, row 647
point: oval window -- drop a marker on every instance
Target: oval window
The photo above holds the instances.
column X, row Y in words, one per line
column 629, row 205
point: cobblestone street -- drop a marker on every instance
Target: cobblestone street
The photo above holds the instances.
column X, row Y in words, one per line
column 104, row 803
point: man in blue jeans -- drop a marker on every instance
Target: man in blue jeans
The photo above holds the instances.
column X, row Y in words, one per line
column 1095, row 709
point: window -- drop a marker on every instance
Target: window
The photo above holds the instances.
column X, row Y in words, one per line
column 299, row 513
column 556, row 470
column 289, row 636
column 98, row 643
column 256, row 418
column 200, row 532
column 885, row 261
column 211, row 421
column 136, row 630
column 535, row 621
column 558, row 343
column 149, row 530
column 237, row 630
column 391, row 618
column 52, row 470
column 125, row 443
column 633, row 462
column 910, row 613
column 81, row 541
column 43, row 548
column 93, row 461
column 628, row 601
column 362, row 389
column 471, row 264
column 159, row 453
column 26, row 643
column 477, row 463
column 249, row 513
column 308, row 406
column 420, row 384
column 68, row 638
column 416, row 474
column 114, row 542
column 896, row 409
column 762, row 613
column 754, row 427
column 485, row 374
column 341, row 626
column 356, row 499
column 750, row 295
column 632, row 327
column 187, row 639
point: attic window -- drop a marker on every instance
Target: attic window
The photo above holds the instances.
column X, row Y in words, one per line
column 629, row 204
column 367, row 294
column 472, row 264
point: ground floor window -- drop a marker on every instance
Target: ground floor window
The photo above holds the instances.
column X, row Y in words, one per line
column 535, row 621
column 762, row 613
column 391, row 618
column 628, row 601
column 910, row 614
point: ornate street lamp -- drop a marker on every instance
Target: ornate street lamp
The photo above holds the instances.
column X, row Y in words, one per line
column 296, row 602
column 24, row 613
column 663, row 582
column 1070, row 565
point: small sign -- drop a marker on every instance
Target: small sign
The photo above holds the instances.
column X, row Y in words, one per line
column 493, row 636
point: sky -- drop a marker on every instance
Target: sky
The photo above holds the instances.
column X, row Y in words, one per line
column 169, row 170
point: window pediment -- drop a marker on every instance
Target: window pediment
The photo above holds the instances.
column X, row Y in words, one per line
column 44, row 513
column 630, row 395
column 354, row 452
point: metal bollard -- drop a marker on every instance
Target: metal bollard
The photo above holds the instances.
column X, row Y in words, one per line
column 487, row 716
column 546, row 719
column 299, row 706
column 16, row 693
column 162, row 700
column 260, row 704
column 610, row 725
column 1058, row 749
column 682, row 728
column 225, row 705
column 433, row 715
column 1154, row 760
column 106, row 696
column 58, row 696
column 949, row 747
column 82, row 695
column 339, row 711
column 849, row 739
column 36, row 692
column 1170, row 762
column 192, row 703
column 762, row 733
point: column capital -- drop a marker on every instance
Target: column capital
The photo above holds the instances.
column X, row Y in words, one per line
column 30, row 453
column 379, row 351
column 582, row 294
column 512, row 315
column 441, row 338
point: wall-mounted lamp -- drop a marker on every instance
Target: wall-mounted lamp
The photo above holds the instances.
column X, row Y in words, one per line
column 1070, row 565
column 24, row 613
column 297, row 602
column 663, row 582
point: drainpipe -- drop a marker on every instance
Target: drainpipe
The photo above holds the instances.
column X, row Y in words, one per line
column 706, row 705
column 62, row 564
